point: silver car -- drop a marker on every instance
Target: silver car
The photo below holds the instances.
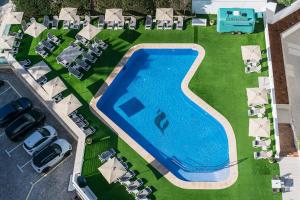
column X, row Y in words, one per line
column 51, row 155
column 40, row 138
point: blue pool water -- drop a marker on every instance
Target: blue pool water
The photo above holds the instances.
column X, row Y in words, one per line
column 147, row 102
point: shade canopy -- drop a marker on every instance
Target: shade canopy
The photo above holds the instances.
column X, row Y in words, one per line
column 259, row 127
column 164, row 14
column 114, row 15
column 68, row 14
column 257, row 96
column 13, row 18
column 264, row 82
column 251, row 53
column 7, row 42
column 38, row 70
column 112, row 170
column 68, row 104
column 89, row 32
column 35, row 29
column 54, row 87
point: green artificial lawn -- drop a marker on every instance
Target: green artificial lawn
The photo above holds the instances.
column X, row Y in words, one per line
column 220, row 81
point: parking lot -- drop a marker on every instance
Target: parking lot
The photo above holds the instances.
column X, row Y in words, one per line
column 18, row 179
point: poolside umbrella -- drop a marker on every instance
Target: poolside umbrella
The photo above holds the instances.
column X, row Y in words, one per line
column 164, row 14
column 38, row 70
column 13, row 18
column 264, row 82
column 112, row 170
column 114, row 15
column 54, row 87
column 67, row 14
column 251, row 52
column 7, row 42
column 89, row 32
column 257, row 96
column 68, row 104
column 35, row 29
column 259, row 127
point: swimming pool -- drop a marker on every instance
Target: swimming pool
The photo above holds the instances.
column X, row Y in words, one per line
column 146, row 100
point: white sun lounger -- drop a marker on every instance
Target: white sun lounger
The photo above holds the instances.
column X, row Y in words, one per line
column 263, row 155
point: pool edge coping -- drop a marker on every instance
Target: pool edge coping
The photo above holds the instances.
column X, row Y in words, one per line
column 233, row 167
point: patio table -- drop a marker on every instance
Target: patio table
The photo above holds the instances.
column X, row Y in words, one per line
column 70, row 53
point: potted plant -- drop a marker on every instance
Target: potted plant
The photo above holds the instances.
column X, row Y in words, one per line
column 89, row 140
column 211, row 22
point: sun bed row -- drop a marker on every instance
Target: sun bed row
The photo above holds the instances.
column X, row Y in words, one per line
column 132, row 185
column 47, row 46
column 82, row 123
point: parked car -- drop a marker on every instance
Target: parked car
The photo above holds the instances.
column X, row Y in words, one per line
column 26, row 122
column 51, row 155
column 1, row 83
column 13, row 109
column 40, row 138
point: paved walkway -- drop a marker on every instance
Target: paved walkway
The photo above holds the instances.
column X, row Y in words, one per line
column 289, row 168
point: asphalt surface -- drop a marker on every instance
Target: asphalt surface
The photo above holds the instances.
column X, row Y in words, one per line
column 18, row 180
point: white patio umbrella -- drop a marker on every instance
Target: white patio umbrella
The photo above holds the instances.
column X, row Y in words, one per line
column 54, row 87
column 13, row 18
column 112, row 170
column 259, row 127
column 7, row 42
column 164, row 14
column 38, row 70
column 114, row 14
column 251, row 52
column 68, row 104
column 89, row 32
column 257, row 96
column 35, row 29
column 68, row 14
column 264, row 82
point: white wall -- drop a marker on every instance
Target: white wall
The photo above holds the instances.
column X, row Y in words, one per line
column 212, row 6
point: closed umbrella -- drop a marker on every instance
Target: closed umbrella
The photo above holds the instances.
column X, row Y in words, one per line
column 257, row 96
column 259, row 127
column 7, row 42
column 13, row 18
column 89, row 32
column 164, row 14
column 54, row 87
column 35, row 29
column 38, row 70
column 68, row 104
column 112, row 170
column 114, row 14
column 68, row 14
column 251, row 53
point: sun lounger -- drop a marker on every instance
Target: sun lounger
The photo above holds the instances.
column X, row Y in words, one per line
column 169, row 25
column 257, row 111
column 89, row 131
column 132, row 23
column 76, row 23
column 179, row 25
column 53, row 38
column 47, row 45
column 75, row 72
column 82, row 123
column 133, row 185
column 261, row 143
column 159, row 25
column 101, row 44
column 42, row 80
column 89, row 57
column 18, row 35
column 39, row 50
column 62, row 62
column 32, row 20
column 46, row 21
column 110, row 25
column 16, row 43
column 104, row 156
column 263, row 155
column 121, row 24
column 121, row 160
column 127, row 176
column 24, row 25
column 66, row 24
column 25, row 63
column 85, row 66
column 94, row 50
column 87, row 20
column 55, row 22
column 101, row 22
column 143, row 193
column 81, row 40
column 148, row 22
